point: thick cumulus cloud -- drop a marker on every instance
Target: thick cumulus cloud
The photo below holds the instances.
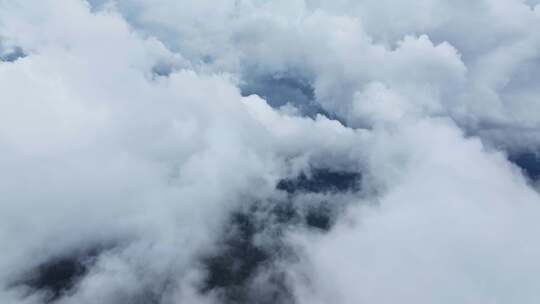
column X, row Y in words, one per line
column 262, row 151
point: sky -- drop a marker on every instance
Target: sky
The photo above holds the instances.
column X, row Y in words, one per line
column 269, row 151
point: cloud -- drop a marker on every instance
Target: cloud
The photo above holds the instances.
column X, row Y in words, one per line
column 269, row 151
column 454, row 227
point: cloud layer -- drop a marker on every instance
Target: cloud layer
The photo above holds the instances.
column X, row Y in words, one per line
column 261, row 151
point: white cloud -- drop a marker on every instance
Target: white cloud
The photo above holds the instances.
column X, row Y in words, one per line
column 122, row 124
column 453, row 227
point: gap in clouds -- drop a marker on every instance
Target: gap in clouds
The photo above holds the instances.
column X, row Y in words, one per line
column 11, row 55
column 529, row 162
column 247, row 266
column 59, row 275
